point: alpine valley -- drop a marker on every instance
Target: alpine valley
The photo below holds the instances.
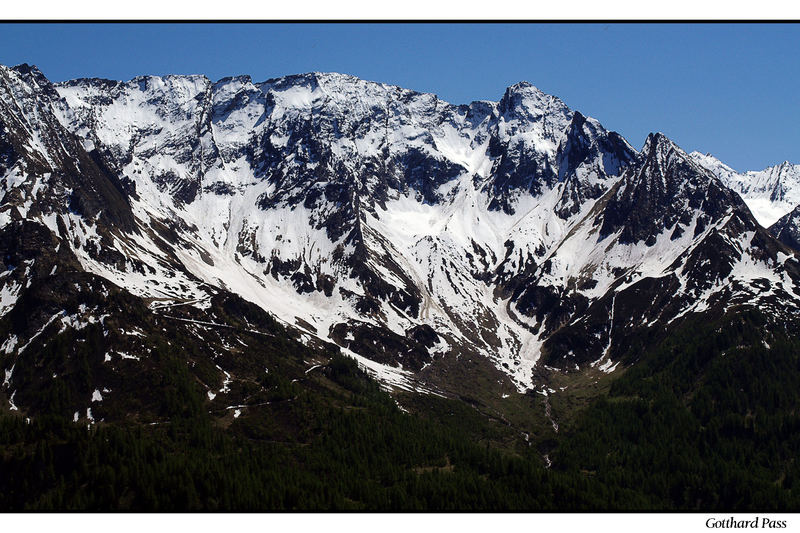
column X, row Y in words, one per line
column 319, row 292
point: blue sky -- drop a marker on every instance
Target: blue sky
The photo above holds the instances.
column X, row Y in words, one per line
column 729, row 89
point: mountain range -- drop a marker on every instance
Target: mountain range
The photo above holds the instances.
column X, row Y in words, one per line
column 513, row 255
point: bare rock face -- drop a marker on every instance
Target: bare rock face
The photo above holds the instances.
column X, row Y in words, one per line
column 787, row 229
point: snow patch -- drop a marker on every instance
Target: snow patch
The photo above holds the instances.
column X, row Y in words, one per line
column 9, row 344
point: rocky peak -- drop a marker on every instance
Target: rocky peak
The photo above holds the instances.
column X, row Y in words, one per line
column 787, row 229
column 665, row 190
column 587, row 157
column 586, row 139
column 59, row 173
column 660, row 148
column 532, row 116
column 524, row 99
column 30, row 77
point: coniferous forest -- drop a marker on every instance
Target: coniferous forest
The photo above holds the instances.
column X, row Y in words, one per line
column 707, row 421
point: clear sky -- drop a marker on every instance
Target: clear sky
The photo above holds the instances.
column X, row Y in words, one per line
column 729, row 89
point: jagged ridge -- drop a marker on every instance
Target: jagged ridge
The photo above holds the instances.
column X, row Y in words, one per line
column 407, row 230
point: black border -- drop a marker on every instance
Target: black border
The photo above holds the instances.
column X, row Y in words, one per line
column 399, row 21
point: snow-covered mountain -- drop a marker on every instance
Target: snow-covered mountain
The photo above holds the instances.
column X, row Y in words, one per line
column 354, row 210
column 412, row 233
column 770, row 193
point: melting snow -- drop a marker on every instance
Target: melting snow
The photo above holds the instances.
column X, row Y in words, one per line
column 50, row 321
column 8, row 297
column 9, row 344
column 226, row 382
